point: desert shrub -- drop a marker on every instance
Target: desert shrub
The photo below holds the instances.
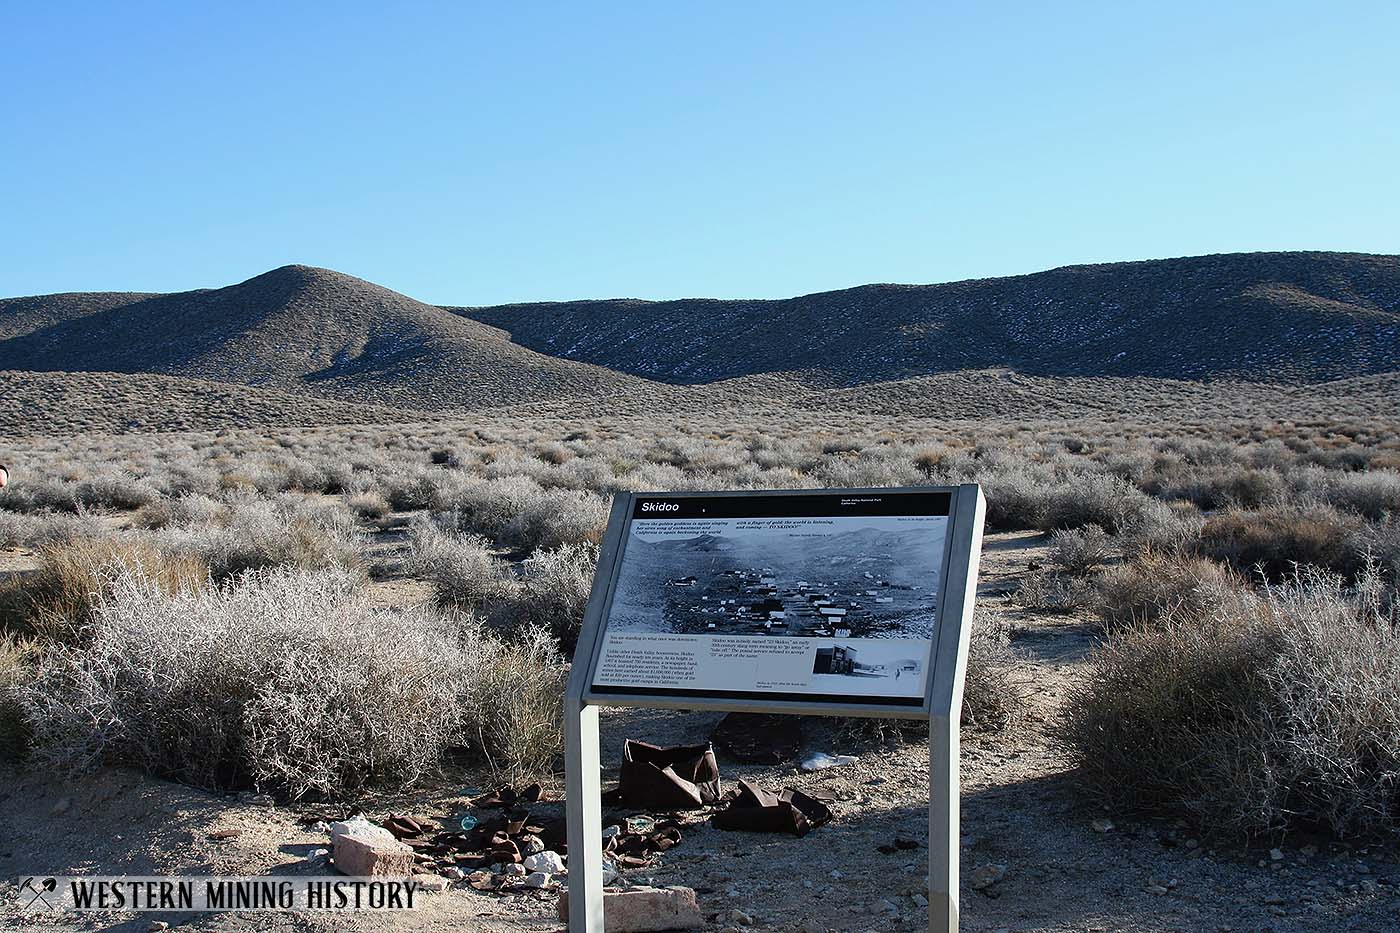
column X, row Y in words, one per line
column 517, row 512
column 1081, row 550
column 554, row 454
column 558, row 519
column 1053, row 591
column 55, row 603
column 368, row 504
column 17, row 528
column 461, row 567
column 1093, row 499
column 1279, row 713
column 1015, row 500
column 193, row 509
column 410, row 491
column 1274, row 541
column 284, row 681
column 1373, row 495
column 16, row 665
column 114, row 491
column 1246, row 488
column 1160, row 528
column 554, row 588
column 513, row 702
column 1156, row 586
column 1152, row 724
column 1380, row 541
column 287, row 532
column 33, row 494
column 993, row 701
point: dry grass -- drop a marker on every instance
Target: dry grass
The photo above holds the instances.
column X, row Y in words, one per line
column 513, row 703
column 1277, row 713
column 1276, row 540
column 284, row 681
column 16, row 669
column 1159, row 586
column 56, row 603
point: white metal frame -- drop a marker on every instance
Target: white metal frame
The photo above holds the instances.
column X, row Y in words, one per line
column 942, row 705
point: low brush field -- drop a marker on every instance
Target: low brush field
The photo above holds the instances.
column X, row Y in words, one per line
column 1183, row 705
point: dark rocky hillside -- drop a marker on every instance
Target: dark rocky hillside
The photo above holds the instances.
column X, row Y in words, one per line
column 1285, row 317
column 316, row 346
column 295, row 328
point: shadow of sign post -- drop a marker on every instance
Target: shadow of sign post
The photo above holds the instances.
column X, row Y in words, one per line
column 833, row 602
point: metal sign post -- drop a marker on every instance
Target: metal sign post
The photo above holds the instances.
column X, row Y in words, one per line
column 594, row 681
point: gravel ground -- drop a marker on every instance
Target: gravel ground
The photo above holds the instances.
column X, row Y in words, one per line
column 1021, row 812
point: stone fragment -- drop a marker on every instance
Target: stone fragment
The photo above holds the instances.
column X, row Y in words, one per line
column 431, row 883
column 538, row 879
column 548, row 862
column 1102, row 825
column 985, row 876
column 363, row 850
column 645, row 910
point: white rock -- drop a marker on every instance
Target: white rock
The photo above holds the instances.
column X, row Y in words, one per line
column 538, row 879
column 547, row 861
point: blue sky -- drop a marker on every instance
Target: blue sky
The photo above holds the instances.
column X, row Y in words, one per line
column 481, row 153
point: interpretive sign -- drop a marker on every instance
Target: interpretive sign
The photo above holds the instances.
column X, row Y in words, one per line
column 828, row 602
column 816, row 597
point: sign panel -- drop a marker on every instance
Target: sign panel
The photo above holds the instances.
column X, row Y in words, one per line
column 828, row 596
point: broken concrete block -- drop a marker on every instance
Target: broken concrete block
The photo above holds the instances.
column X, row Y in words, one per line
column 363, row 850
column 644, row 910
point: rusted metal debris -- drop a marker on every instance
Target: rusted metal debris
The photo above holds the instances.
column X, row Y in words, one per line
column 757, row 810
column 680, row 777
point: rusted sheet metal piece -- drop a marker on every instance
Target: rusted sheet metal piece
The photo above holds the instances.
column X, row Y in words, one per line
column 760, row 811
column 681, row 777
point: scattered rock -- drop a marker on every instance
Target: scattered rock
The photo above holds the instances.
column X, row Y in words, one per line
column 1102, row 825
column 985, row 876
column 156, row 926
column 645, row 909
column 63, row 806
column 538, row 879
column 1276, row 854
column 548, row 862
column 362, row 850
column 431, row 883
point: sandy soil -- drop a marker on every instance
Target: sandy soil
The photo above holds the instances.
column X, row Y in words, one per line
column 1021, row 810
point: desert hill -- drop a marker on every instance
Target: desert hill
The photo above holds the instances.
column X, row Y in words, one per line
column 1278, row 317
column 297, row 328
column 1276, row 334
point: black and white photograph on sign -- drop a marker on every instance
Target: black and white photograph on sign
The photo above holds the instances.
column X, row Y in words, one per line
column 841, row 577
column 826, row 606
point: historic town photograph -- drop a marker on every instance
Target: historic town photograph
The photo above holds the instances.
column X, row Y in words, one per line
column 852, row 577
